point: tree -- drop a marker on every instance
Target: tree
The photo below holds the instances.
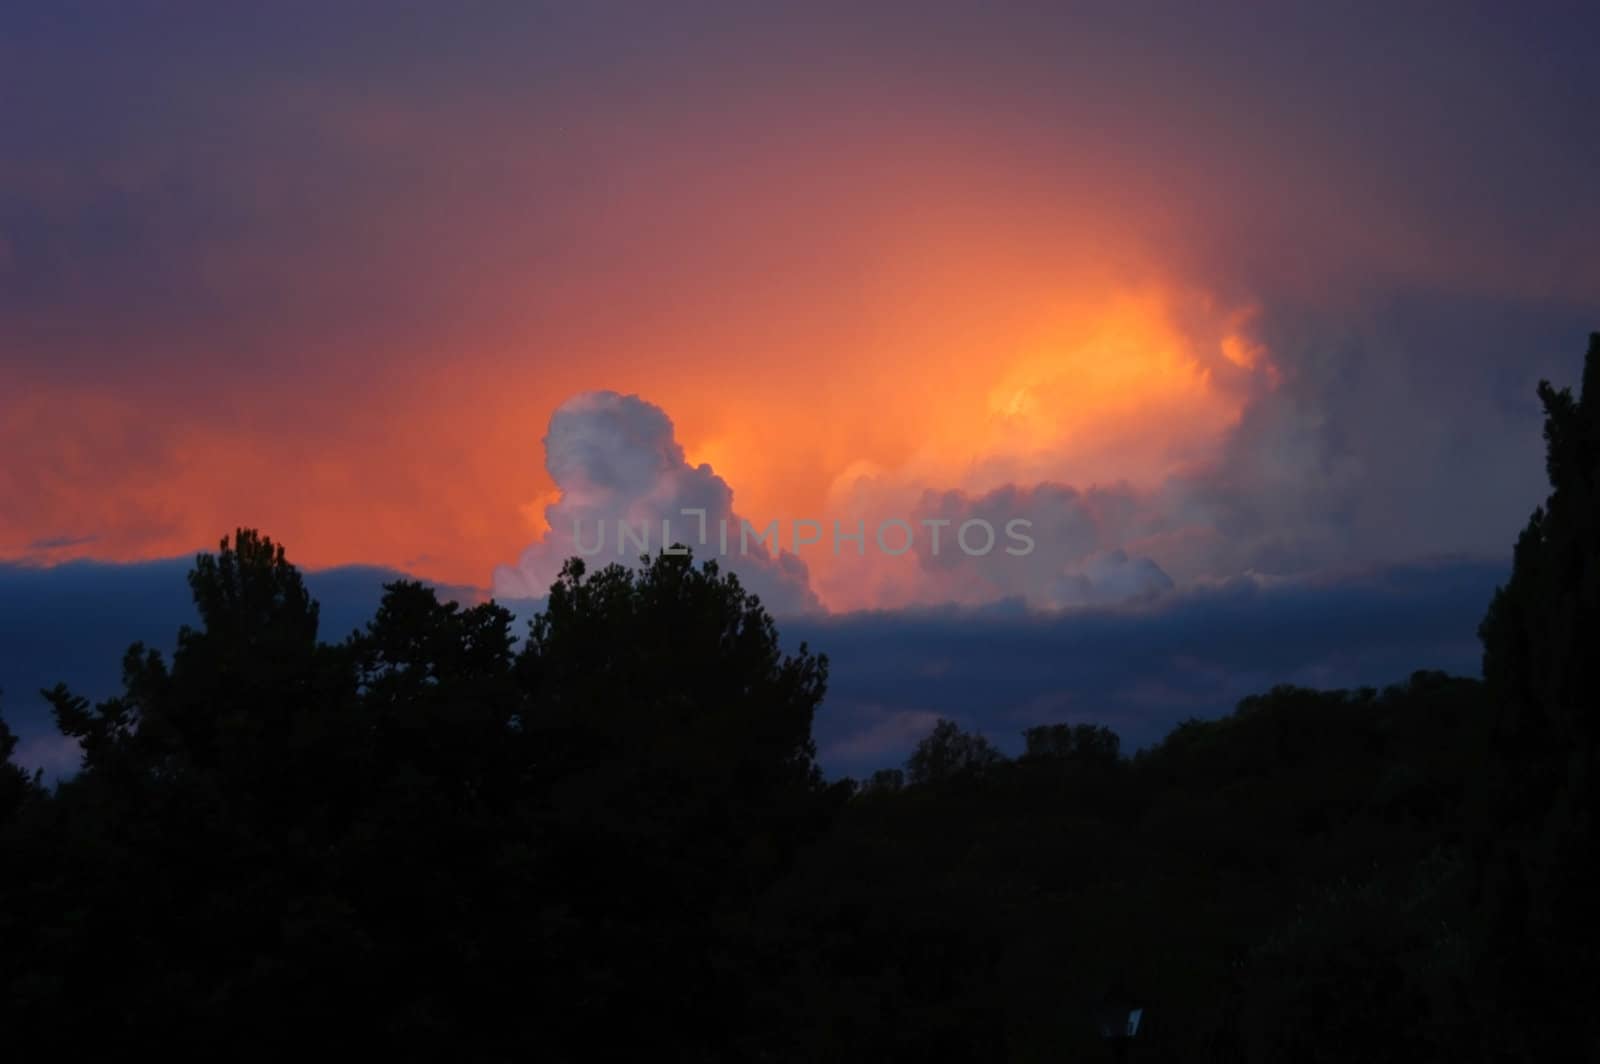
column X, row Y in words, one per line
column 663, row 714
column 438, row 688
column 421, row 831
column 16, row 786
column 234, row 684
column 884, row 781
column 947, row 753
column 1539, row 662
column 670, row 738
column 1088, row 744
column 1542, row 626
column 678, row 663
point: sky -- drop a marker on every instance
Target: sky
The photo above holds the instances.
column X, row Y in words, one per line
column 1241, row 307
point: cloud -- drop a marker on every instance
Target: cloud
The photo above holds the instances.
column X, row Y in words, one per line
column 292, row 294
column 1138, row 668
column 1402, row 428
column 1050, row 544
column 615, row 459
column 1406, row 428
column 55, row 754
column 1056, row 546
column 621, row 474
column 1113, row 577
column 58, row 542
column 878, row 735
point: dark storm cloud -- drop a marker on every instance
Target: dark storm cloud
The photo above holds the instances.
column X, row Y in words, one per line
column 1406, row 428
column 1137, row 670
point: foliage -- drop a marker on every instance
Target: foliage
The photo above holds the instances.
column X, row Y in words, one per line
column 948, row 753
column 1541, row 863
column 16, row 786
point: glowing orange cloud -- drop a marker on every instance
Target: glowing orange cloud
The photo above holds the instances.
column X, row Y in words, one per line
column 931, row 315
column 441, row 473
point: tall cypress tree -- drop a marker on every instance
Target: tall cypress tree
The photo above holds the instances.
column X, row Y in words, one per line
column 1541, row 661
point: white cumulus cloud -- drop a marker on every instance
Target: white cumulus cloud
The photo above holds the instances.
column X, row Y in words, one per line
column 615, row 459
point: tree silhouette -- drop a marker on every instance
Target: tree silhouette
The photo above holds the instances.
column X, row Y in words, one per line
column 420, row 830
column 947, row 753
column 671, row 739
column 16, row 786
column 1540, row 636
column 1082, row 743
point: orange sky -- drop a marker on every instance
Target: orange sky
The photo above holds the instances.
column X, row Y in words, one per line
column 852, row 258
column 966, row 372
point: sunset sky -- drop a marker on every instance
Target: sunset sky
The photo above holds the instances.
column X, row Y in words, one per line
column 1229, row 300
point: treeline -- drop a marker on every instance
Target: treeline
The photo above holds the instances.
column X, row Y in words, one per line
column 428, row 840
column 424, row 841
